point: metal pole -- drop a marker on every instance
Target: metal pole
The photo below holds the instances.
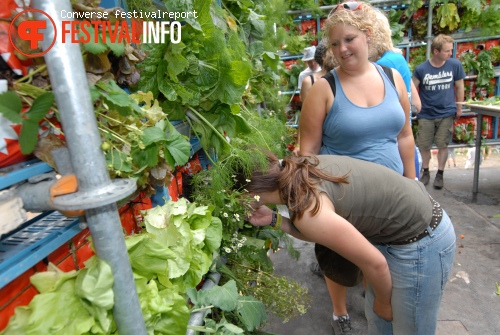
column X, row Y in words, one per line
column 429, row 29
column 68, row 79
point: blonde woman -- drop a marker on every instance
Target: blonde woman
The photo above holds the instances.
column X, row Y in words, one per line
column 367, row 118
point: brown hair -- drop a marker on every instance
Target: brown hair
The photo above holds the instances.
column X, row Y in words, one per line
column 439, row 41
column 295, row 178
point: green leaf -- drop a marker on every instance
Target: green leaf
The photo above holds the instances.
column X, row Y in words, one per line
column 117, row 99
column 73, row 318
column 92, row 46
column 118, row 48
column 177, row 63
column 148, row 156
column 118, row 160
column 271, row 59
column 95, row 283
column 40, row 107
column 496, row 216
column 28, row 138
column 252, row 312
column 224, row 297
column 11, row 106
column 152, row 135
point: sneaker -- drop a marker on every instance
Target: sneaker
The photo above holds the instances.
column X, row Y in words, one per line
column 438, row 181
column 425, row 177
column 314, row 267
column 342, row 325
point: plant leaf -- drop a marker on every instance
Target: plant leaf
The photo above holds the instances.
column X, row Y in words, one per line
column 40, row 107
column 252, row 312
column 28, row 138
column 10, row 107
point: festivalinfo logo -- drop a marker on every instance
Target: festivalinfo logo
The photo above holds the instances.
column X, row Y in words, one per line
column 26, row 32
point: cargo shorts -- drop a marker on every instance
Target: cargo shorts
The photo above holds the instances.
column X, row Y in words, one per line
column 436, row 131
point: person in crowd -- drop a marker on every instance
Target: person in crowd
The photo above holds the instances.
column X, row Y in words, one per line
column 387, row 225
column 367, row 118
column 383, row 52
column 312, row 65
column 452, row 157
column 440, row 83
column 325, row 60
column 471, row 158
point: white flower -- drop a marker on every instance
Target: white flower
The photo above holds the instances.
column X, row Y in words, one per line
column 243, row 239
column 257, row 198
column 247, row 180
column 240, row 245
column 227, row 250
column 225, row 215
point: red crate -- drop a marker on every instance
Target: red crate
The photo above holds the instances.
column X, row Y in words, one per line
column 289, row 63
column 308, row 26
column 23, row 299
column 58, row 255
column 82, row 254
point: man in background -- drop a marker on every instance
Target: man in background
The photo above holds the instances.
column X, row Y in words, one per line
column 440, row 84
column 312, row 65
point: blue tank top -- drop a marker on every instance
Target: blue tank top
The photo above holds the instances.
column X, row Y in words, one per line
column 367, row 133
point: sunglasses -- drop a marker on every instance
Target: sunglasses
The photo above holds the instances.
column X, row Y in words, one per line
column 351, row 5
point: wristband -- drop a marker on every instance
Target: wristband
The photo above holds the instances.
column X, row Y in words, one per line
column 276, row 221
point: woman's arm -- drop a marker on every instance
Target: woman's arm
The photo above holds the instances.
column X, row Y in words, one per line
column 406, row 142
column 314, row 110
column 415, row 98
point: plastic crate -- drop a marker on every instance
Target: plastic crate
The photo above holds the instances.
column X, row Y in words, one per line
column 33, row 242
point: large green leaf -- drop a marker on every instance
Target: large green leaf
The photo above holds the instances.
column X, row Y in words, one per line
column 10, row 107
column 252, row 312
column 153, row 135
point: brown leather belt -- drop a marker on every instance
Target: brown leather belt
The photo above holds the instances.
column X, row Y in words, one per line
column 437, row 215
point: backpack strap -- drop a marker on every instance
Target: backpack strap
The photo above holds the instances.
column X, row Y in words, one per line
column 312, row 79
column 388, row 72
column 331, row 79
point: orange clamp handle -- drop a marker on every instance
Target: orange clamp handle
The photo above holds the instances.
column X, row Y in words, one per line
column 65, row 185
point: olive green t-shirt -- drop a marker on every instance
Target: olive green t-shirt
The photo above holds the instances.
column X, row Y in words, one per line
column 383, row 205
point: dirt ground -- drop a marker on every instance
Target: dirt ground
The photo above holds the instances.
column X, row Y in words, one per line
column 490, row 160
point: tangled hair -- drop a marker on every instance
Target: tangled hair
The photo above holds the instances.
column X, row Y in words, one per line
column 295, row 178
column 439, row 41
column 364, row 19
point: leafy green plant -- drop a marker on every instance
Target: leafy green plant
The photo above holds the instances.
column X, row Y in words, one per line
column 494, row 54
column 464, row 133
column 417, row 57
column 486, row 72
column 469, row 62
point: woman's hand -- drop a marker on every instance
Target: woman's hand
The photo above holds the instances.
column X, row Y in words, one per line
column 262, row 216
column 382, row 309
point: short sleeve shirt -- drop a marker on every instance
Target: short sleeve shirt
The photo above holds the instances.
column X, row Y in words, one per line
column 437, row 88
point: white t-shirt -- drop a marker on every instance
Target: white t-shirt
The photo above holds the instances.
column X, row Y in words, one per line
column 305, row 73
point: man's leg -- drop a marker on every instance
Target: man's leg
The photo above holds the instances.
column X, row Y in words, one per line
column 425, row 138
column 442, row 140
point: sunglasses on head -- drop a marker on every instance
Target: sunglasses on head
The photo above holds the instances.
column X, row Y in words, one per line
column 351, row 5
